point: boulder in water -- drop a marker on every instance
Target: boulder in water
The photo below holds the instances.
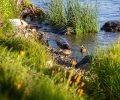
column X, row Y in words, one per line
column 84, row 63
column 62, row 43
column 111, row 26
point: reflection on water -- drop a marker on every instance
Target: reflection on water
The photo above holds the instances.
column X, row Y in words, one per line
column 108, row 10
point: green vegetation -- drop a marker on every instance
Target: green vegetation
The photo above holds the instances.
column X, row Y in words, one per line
column 18, row 78
column 56, row 13
column 24, row 74
column 106, row 67
column 81, row 16
column 7, row 11
column 35, row 53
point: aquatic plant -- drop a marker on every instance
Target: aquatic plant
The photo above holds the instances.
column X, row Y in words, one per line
column 56, row 12
column 82, row 16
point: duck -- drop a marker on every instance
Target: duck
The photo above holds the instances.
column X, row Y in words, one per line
column 83, row 49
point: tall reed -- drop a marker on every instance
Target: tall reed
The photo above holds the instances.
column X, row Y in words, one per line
column 56, row 13
column 82, row 16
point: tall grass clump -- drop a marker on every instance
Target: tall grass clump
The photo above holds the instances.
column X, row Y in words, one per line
column 56, row 12
column 13, row 75
column 35, row 54
column 106, row 67
column 73, row 14
column 7, row 11
column 81, row 15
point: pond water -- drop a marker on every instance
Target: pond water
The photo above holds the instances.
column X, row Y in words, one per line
column 108, row 10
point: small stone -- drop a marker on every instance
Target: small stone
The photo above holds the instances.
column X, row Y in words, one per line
column 34, row 30
column 67, row 52
column 61, row 57
column 49, row 64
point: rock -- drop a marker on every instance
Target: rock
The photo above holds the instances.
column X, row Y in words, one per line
column 34, row 13
column 18, row 22
column 67, row 52
column 44, row 38
column 62, row 43
column 84, row 63
column 111, row 26
column 49, row 64
column 28, row 33
column 34, row 30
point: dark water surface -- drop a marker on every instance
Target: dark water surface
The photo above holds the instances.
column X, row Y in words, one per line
column 108, row 10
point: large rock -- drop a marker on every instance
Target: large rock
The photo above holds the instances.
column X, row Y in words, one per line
column 84, row 63
column 33, row 12
column 18, row 22
column 111, row 26
column 62, row 43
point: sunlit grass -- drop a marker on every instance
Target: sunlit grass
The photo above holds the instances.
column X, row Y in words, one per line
column 35, row 53
column 106, row 67
column 7, row 11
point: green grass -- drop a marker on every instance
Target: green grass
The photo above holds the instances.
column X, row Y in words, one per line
column 56, row 12
column 7, row 11
column 35, row 53
column 12, row 73
column 47, row 90
column 106, row 67
column 19, row 82
column 81, row 16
